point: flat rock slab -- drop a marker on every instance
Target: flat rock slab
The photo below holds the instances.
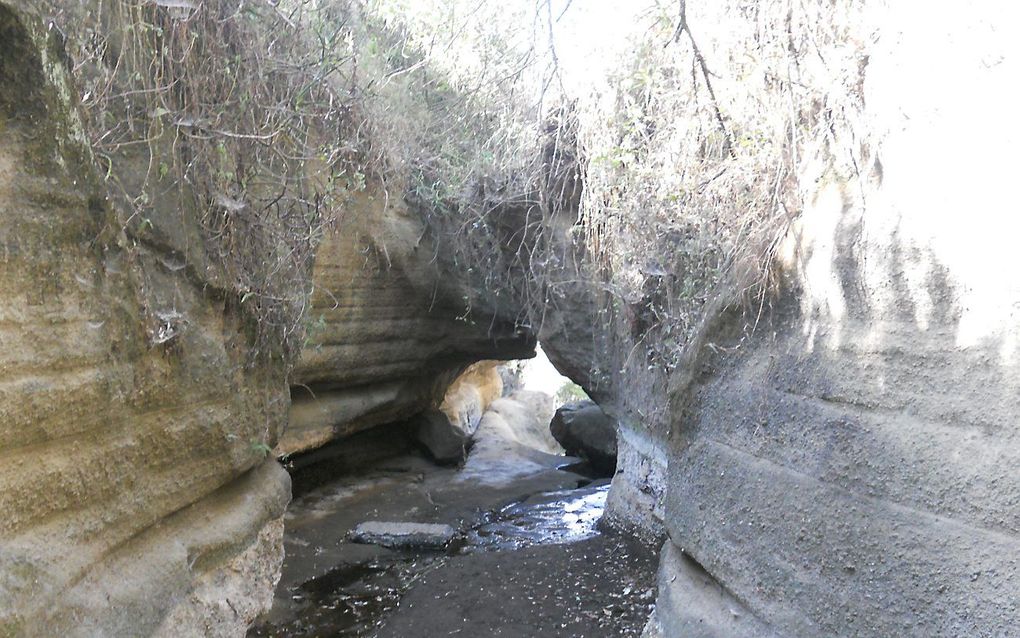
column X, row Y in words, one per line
column 403, row 535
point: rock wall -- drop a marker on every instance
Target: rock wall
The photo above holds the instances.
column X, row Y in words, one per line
column 836, row 457
column 601, row 355
column 133, row 426
column 388, row 332
column 848, row 468
column 138, row 405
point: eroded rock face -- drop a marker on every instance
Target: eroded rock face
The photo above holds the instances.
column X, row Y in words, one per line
column 388, row 332
column 134, row 483
column 581, row 343
column 841, row 463
column 849, row 469
column 859, row 452
column 447, row 432
column 513, row 440
column 470, row 394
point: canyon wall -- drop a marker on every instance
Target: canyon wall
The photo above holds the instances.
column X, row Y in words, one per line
column 137, row 493
column 830, row 455
column 141, row 394
column 825, row 428
column 388, row 332
column 846, row 466
column 600, row 354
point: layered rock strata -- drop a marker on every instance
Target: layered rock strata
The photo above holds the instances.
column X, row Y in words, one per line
column 847, row 469
column 388, row 332
column 137, row 495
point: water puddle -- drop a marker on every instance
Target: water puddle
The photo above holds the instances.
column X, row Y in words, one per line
column 551, row 518
column 347, row 601
column 351, row 600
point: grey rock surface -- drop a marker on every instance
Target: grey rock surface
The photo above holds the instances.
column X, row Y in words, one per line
column 446, row 442
column 403, row 535
column 849, row 469
column 584, row 430
column 513, row 440
column 696, row 605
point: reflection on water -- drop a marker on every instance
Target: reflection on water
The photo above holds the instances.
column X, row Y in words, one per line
column 351, row 600
column 551, row 518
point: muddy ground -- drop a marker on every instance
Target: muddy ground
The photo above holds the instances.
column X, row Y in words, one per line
column 530, row 560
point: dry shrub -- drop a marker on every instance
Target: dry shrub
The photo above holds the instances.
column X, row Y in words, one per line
column 697, row 158
column 462, row 98
column 263, row 116
column 239, row 111
column 677, row 167
column 694, row 152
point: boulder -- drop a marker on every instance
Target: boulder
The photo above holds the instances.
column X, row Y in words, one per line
column 446, row 432
column 520, row 419
column 446, row 442
column 584, row 430
column 403, row 535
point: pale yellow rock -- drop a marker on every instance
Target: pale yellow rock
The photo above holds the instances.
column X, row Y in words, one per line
column 132, row 469
column 471, row 393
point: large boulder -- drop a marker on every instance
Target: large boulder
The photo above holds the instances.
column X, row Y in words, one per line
column 584, row 430
column 446, row 432
column 513, row 440
column 521, row 418
column 446, row 442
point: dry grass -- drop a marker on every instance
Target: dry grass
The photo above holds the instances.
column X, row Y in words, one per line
column 711, row 140
column 696, row 158
column 693, row 149
column 264, row 116
column 241, row 112
column 696, row 152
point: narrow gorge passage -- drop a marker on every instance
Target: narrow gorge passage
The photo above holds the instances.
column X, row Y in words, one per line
column 529, row 557
column 772, row 241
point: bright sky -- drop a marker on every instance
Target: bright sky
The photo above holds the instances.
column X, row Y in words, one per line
column 539, row 375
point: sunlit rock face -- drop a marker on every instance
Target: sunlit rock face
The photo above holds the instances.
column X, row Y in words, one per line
column 388, row 331
column 470, row 394
column 138, row 488
column 849, row 469
column 446, row 433
column 134, row 483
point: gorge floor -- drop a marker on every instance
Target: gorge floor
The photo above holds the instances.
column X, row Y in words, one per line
column 530, row 559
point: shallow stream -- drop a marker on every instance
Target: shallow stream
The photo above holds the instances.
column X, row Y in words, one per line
column 549, row 518
column 353, row 598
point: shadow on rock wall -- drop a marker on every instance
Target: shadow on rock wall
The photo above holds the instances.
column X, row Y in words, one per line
column 849, row 469
column 135, row 489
